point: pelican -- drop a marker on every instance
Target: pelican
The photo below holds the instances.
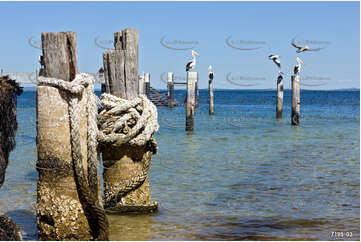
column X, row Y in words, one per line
column 192, row 64
column 275, row 60
column 297, row 68
column 210, row 75
column 303, row 48
column 41, row 60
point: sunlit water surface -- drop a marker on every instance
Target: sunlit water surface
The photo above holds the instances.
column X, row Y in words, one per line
column 240, row 175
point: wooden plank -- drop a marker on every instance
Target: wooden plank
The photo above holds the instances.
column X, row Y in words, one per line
column 59, row 53
column 121, row 65
column 190, row 105
column 131, row 74
column 279, row 104
column 114, row 73
column 295, row 115
column 127, row 39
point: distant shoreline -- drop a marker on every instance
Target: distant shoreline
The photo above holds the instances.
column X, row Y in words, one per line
column 98, row 88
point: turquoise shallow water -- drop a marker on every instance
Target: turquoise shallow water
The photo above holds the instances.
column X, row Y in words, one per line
column 240, row 175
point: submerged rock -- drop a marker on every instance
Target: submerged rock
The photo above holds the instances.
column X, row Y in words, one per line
column 9, row 90
column 8, row 124
column 8, row 229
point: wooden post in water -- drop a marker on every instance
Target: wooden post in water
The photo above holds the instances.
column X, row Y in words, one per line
column 191, row 85
column 125, row 162
column 210, row 88
column 59, row 214
column 147, row 84
column 170, row 90
column 196, row 91
column 295, row 115
column 279, row 97
column 141, row 85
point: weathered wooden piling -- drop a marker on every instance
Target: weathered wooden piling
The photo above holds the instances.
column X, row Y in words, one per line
column 170, row 90
column 190, row 105
column 60, row 214
column 141, row 85
column 123, row 163
column 279, row 97
column 210, row 89
column 147, row 83
column 295, row 115
column 196, row 93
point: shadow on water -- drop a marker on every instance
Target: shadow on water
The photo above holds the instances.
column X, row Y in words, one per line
column 130, row 227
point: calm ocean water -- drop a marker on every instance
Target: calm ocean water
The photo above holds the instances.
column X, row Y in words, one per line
column 240, row 175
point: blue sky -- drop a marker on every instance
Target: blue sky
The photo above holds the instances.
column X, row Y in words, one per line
column 206, row 26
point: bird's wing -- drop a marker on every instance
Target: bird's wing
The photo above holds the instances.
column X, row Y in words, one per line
column 293, row 43
column 278, row 63
column 315, row 49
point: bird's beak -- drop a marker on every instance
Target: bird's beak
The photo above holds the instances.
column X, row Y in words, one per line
column 196, row 53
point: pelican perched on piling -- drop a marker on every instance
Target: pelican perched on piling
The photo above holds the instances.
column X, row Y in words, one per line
column 297, row 68
column 210, row 74
column 41, row 60
column 303, row 48
column 275, row 59
column 192, row 64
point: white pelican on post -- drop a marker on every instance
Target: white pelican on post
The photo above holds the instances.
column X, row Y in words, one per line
column 41, row 60
column 297, row 68
column 192, row 64
column 303, row 48
column 210, row 74
column 275, row 60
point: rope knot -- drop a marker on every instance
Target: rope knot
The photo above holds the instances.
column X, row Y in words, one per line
column 122, row 121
